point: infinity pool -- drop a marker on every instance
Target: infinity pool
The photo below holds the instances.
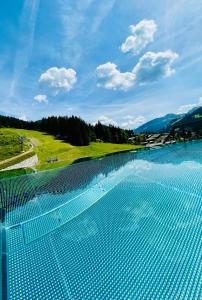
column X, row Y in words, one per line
column 126, row 226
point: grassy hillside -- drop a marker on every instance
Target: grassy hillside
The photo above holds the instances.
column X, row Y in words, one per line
column 47, row 147
column 10, row 144
column 191, row 121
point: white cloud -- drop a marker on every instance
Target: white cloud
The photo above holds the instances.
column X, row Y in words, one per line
column 133, row 122
column 109, row 77
column 142, row 35
column 41, row 99
column 183, row 109
column 23, row 117
column 58, row 80
column 106, row 120
column 153, row 66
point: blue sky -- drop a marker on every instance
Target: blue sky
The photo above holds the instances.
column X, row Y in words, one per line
column 122, row 62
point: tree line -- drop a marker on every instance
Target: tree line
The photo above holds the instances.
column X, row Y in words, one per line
column 72, row 129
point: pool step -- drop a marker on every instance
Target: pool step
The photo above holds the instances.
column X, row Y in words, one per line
column 32, row 229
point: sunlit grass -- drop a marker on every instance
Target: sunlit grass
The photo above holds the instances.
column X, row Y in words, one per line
column 47, row 147
column 9, row 144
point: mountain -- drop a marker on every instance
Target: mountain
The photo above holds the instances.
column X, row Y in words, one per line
column 191, row 121
column 159, row 124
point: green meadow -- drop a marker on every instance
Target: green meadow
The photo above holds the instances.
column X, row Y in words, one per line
column 48, row 147
column 10, row 143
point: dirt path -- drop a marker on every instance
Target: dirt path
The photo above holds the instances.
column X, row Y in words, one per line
column 17, row 156
column 27, row 163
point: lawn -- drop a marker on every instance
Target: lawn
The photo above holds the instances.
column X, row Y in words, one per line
column 10, row 144
column 47, row 147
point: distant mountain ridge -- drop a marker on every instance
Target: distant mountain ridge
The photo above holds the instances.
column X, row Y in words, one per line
column 190, row 121
column 158, row 125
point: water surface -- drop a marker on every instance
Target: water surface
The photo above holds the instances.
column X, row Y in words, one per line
column 126, row 226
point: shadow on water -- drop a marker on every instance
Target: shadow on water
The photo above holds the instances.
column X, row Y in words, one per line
column 17, row 191
column 2, row 214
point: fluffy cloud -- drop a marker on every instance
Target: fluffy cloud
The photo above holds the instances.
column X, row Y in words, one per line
column 128, row 122
column 109, row 77
column 106, row 120
column 153, row 66
column 41, row 99
column 142, row 35
column 187, row 107
column 133, row 122
column 58, row 80
column 23, row 117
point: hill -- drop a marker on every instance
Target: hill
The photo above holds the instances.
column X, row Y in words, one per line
column 47, row 147
column 158, row 125
column 191, row 121
column 10, row 144
column 72, row 129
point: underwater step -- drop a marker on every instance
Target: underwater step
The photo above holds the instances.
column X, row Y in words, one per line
column 43, row 224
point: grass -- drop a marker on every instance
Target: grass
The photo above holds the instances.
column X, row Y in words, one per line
column 198, row 116
column 9, row 144
column 16, row 160
column 47, row 147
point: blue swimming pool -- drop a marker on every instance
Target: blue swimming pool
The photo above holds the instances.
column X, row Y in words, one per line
column 126, row 226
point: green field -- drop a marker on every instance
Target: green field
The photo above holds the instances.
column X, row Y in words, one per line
column 10, row 144
column 47, row 147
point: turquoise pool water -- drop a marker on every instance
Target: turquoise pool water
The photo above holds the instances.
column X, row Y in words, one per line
column 126, row 226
